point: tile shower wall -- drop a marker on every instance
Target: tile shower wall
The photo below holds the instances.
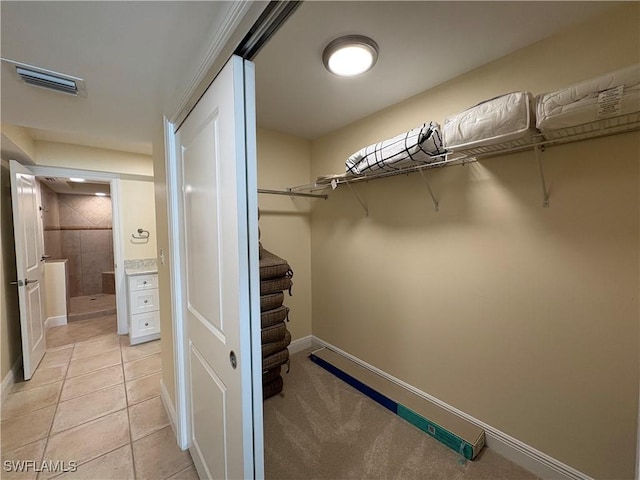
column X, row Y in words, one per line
column 51, row 222
column 85, row 238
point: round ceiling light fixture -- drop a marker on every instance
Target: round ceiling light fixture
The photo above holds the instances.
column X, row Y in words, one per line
column 350, row 56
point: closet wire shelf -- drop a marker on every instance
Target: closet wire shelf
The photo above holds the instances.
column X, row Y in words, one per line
column 291, row 193
column 537, row 143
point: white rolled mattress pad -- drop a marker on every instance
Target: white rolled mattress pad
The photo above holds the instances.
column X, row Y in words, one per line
column 498, row 120
column 578, row 104
column 418, row 146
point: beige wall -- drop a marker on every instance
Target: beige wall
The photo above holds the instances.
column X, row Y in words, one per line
column 21, row 140
column 138, row 211
column 10, row 347
column 285, row 226
column 90, row 158
column 524, row 317
column 164, row 273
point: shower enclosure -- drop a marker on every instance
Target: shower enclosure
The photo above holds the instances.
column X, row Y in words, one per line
column 77, row 227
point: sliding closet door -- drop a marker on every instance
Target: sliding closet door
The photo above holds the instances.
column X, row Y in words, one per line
column 217, row 163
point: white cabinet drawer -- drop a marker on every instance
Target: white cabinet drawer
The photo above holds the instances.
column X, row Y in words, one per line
column 145, row 324
column 141, row 301
column 143, row 282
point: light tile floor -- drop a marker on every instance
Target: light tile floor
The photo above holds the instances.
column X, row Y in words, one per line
column 91, row 306
column 80, row 330
column 95, row 402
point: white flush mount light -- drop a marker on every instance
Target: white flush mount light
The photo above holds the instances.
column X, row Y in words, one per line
column 350, row 56
column 77, row 180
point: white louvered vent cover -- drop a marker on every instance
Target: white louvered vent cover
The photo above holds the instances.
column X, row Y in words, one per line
column 40, row 77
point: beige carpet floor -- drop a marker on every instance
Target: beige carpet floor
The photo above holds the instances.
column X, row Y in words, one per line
column 321, row 428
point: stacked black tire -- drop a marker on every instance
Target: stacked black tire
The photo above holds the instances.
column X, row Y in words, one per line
column 275, row 279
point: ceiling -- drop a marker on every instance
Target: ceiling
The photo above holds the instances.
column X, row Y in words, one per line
column 422, row 44
column 66, row 186
column 133, row 55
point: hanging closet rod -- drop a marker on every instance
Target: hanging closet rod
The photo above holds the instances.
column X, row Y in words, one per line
column 290, row 193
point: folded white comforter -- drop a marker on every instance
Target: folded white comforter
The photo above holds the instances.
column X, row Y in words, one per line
column 494, row 121
column 417, row 146
column 579, row 104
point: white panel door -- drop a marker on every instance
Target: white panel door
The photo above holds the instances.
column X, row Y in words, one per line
column 27, row 226
column 217, row 246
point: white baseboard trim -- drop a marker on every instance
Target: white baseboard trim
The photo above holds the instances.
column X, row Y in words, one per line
column 55, row 321
column 300, row 344
column 169, row 408
column 511, row 448
column 10, row 378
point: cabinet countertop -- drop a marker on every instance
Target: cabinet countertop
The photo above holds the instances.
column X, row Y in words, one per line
column 140, row 271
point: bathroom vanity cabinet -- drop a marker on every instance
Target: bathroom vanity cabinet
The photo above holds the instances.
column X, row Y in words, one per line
column 143, row 306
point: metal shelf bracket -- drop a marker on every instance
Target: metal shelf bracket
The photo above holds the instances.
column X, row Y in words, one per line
column 545, row 191
column 362, row 204
column 436, row 204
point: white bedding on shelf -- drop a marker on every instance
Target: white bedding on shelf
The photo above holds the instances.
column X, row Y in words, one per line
column 417, row 146
column 578, row 104
column 499, row 120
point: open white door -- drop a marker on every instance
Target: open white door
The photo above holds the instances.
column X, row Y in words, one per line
column 216, row 170
column 27, row 226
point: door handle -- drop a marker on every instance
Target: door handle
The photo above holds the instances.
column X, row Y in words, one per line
column 22, row 283
column 45, row 257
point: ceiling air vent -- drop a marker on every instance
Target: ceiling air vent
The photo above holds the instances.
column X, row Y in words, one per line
column 39, row 77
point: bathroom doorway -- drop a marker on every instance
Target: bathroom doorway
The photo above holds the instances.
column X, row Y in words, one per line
column 78, row 236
